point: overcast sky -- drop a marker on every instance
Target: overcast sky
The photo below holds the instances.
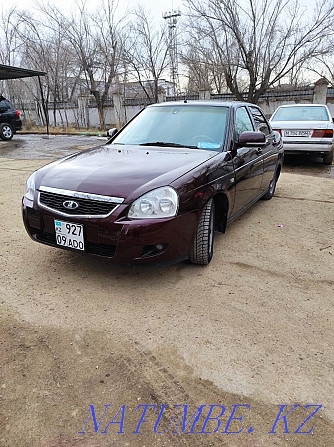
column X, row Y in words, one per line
column 157, row 7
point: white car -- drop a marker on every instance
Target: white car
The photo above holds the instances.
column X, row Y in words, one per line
column 305, row 128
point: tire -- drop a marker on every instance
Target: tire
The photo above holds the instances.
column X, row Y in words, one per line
column 6, row 132
column 202, row 249
column 271, row 189
column 328, row 158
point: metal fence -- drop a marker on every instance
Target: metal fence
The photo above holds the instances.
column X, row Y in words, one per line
column 295, row 94
column 330, row 93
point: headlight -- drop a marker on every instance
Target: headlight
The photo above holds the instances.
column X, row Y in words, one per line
column 156, row 204
column 29, row 191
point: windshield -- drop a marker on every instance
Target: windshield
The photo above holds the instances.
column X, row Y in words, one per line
column 201, row 127
column 301, row 113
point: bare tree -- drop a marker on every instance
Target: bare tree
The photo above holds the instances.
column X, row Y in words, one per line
column 95, row 39
column 205, row 71
column 146, row 52
column 324, row 66
column 9, row 39
column 259, row 42
column 10, row 44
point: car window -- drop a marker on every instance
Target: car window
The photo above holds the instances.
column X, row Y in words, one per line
column 201, row 127
column 300, row 113
column 4, row 105
column 260, row 121
column 243, row 122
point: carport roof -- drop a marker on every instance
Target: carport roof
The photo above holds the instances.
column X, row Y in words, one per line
column 9, row 72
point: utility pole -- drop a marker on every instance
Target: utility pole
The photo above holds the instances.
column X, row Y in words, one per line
column 172, row 17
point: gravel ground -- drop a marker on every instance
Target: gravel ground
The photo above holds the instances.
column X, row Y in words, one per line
column 253, row 328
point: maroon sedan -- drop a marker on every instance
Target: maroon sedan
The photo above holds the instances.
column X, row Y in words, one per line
column 160, row 187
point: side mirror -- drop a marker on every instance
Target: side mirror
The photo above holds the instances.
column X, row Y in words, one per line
column 112, row 132
column 251, row 139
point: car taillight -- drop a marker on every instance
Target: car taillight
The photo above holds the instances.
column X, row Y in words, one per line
column 323, row 133
column 18, row 113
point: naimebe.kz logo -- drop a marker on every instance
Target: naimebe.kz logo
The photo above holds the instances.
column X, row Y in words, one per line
column 205, row 419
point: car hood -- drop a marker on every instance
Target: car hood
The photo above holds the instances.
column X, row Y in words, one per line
column 121, row 171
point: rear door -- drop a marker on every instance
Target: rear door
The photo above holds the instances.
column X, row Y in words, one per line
column 268, row 151
column 248, row 163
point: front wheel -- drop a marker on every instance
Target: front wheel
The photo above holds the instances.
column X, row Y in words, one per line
column 202, row 249
column 6, row 132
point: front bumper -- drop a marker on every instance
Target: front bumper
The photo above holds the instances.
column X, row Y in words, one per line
column 119, row 238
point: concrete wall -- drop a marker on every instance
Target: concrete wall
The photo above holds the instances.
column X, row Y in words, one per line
column 330, row 105
column 74, row 116
column 118, row 112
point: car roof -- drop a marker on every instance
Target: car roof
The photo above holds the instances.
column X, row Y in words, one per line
column 213, row 103
column 302, row 105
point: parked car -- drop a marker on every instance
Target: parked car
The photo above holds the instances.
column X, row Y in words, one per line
column 160, row 187
column 10, row 121
column 306, row 129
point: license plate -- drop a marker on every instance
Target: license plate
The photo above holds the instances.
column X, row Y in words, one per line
column 69, row 234
column 297, row 133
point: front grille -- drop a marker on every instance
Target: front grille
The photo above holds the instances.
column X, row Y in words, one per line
column 90, row 247
column 86, row 206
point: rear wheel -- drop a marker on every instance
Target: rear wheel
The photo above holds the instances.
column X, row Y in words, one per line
column 6, row 132
column 328, row 158
column 272, row 186
column 202, row 249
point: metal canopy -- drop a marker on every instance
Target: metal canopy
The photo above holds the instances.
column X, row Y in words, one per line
column 8, row 72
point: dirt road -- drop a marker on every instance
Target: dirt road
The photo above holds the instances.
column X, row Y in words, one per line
column 253, row 328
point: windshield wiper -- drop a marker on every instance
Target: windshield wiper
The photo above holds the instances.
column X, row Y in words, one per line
column 166, row 144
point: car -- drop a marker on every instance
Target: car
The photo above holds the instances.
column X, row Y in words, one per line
column 305, row 129
column 10, row 121
column 160, row 187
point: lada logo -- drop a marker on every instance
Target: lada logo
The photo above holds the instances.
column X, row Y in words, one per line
column 70, row 205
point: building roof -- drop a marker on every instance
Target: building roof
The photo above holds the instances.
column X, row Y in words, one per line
column 9, row 72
